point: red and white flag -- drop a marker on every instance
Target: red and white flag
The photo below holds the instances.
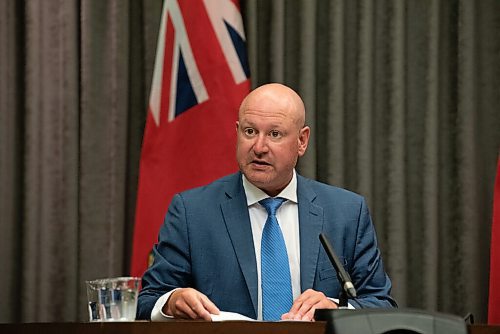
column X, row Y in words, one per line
column 200, row 77
column 494, row 299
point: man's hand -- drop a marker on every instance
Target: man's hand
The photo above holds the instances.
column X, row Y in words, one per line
column 188, row 303
column 304, row 306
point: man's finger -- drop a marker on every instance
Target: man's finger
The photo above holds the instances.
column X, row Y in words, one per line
column 309, row 316
column 209, row 305
column 306, row 306
column 181, row 314
column 183, row 310
column 286, row 316
column 197, row 309
column 202, row 313
column 297, row 304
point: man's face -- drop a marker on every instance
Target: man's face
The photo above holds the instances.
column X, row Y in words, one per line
column 270, row 140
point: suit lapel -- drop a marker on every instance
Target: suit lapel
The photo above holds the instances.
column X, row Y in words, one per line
column 237, row 219
column 310, row 226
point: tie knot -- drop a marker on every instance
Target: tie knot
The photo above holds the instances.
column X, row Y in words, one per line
column 272, row 204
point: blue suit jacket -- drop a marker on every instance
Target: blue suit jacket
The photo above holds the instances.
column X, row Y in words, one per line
column 206, row 243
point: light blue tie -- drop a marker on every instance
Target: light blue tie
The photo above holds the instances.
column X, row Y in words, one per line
column 275, row 269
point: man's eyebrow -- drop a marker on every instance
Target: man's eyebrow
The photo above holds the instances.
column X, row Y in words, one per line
column 273, row 126
column 247, row 123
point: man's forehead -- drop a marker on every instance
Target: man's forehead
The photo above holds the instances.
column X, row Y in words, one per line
column 251, row 111
column 278, row 116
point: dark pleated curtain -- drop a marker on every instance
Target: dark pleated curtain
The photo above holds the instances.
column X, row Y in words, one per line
column 402, row 98
column 75, row 79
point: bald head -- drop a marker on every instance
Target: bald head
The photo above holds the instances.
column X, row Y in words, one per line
column 276, row 97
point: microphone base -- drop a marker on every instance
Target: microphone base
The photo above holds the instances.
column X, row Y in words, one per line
column 378, row 321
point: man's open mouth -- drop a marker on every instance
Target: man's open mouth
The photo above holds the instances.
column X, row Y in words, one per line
column 261, row 163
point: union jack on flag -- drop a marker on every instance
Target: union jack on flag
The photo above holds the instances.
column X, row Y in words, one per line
column 201, row 75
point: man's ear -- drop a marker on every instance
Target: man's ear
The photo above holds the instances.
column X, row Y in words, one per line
column 304, row 134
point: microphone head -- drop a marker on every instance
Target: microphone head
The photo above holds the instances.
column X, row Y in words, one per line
column 350, row 289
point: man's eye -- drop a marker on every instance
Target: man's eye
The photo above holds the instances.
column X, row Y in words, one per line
column 275, row 134
column 249, row 131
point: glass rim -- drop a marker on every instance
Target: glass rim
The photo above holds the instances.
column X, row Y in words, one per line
column 113, row 279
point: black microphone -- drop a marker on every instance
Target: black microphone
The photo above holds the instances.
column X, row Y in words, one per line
column 343, row 277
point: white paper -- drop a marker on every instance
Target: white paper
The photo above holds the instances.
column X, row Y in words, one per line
column 228, row 316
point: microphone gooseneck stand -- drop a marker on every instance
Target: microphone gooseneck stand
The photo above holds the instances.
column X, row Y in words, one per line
column 347, row 288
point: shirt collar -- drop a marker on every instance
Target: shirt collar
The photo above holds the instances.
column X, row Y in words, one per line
column 255, row 194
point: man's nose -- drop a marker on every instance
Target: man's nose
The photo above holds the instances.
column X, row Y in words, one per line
column 260, row 145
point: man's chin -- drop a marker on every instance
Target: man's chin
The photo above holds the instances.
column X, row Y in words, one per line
column 258, row 178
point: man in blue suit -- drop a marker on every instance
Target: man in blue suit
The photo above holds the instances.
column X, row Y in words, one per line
column 208, row 257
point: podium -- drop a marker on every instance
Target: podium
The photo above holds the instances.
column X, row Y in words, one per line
column 171, row 327
column 189, row 327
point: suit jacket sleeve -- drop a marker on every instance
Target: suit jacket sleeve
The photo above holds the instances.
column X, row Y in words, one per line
column 171, row 268
column 367, row 273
